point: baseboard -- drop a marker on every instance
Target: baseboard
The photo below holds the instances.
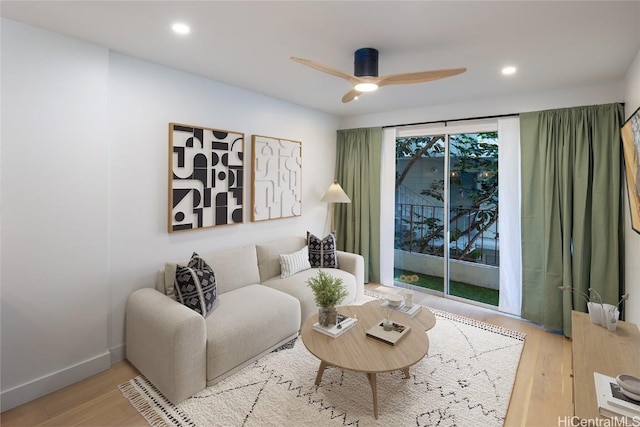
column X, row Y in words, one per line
column 29, row 391
column 117, row 353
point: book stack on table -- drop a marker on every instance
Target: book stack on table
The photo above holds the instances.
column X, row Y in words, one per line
column 392, row 336
column 342, row 325
column 404, row 309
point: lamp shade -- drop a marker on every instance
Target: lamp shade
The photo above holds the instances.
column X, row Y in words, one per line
column 335, row 194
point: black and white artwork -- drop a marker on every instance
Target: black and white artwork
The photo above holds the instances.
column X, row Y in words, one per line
column 205, row 177
column 277, row 172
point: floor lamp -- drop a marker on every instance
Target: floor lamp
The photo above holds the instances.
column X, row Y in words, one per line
column 335, row 194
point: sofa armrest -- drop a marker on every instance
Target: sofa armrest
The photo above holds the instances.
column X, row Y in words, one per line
column 167, row 342
column 354, row 264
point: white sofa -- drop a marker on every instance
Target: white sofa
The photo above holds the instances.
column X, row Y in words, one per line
column 181, row 352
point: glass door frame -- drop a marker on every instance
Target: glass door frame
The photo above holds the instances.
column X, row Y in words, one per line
column 446, row 129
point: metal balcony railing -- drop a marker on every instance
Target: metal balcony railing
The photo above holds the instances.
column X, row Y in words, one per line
column 473, row 232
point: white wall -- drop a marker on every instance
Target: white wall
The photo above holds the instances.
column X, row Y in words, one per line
column 84, row 194
column 54, row 211
column 632, row 239
column 144, row 98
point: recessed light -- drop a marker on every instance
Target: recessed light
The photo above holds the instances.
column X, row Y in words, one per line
column 507, row 71
column 181, row 28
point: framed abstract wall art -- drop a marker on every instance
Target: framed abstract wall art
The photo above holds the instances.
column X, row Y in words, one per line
column 205, row 177
column 277, row 172
column 631, row 148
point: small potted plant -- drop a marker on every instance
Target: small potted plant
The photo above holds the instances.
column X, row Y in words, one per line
column 328, row 292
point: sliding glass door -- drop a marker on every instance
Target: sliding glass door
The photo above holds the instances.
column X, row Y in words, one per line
column 446, row 205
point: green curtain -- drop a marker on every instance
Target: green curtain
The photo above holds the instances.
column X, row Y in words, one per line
column 572, row 226
column 358, row 157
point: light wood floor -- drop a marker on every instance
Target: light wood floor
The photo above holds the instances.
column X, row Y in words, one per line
column 542, row 392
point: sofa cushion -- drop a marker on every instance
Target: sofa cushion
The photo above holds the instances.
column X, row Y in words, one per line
column 195, row 285
column 269, row 255
column 293, row 263
column 248, row 321
column 296, row 286
column 322, row 252
column 234, row 268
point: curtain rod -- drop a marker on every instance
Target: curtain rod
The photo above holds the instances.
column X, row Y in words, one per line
column 469, row 118
column 453, row 120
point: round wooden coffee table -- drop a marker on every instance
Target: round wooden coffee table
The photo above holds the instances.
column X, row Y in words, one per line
column 354, row 351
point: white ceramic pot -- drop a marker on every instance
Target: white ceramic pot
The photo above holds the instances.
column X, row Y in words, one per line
column 595, row 312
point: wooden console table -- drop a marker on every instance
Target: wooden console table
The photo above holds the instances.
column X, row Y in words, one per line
column 595, row 349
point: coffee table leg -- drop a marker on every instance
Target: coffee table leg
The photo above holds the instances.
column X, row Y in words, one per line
column 374, row 389
column 406, row 373
column 323, row 366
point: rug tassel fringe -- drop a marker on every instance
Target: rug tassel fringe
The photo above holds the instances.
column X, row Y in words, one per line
column 142, row 405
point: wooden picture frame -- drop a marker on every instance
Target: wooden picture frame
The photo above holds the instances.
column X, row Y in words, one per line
column 206, row 168
column 631, row 147
column 276, row 187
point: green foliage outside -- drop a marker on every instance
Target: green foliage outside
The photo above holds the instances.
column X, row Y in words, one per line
column 474, row 172
column 459, row 289
column 328, row 291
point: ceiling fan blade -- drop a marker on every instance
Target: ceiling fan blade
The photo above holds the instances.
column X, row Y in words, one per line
column 324, row 69
column 419, row 77
column 350, row 96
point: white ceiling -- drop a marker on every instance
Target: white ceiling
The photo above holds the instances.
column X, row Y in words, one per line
column 554, row 44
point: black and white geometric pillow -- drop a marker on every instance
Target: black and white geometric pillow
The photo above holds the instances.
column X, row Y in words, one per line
column 322, row 252
column 195, row 285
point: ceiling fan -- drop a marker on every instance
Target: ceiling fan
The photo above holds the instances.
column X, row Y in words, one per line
column 365, row 78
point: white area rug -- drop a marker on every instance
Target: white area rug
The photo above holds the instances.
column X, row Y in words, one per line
column 465, row 380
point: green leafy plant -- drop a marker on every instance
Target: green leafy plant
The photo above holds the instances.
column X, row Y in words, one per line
column 473, row 175
column 328, row 291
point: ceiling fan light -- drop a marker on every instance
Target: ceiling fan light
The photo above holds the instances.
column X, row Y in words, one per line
column 366, row 87
column 181, row 28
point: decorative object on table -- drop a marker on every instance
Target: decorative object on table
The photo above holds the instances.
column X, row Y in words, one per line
column 335, row 194
column 323, row 252
column 612, row 402
column 408, row 298
column 389, row 336
column 408, row 293
column 328, row 292
column 394, row 301
column 405, row 309
column 387, row 323
column 276, row 188
column 631, row 147
column 629, row 383
column 343, row 324
column 205, row 177
column 605, row 315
